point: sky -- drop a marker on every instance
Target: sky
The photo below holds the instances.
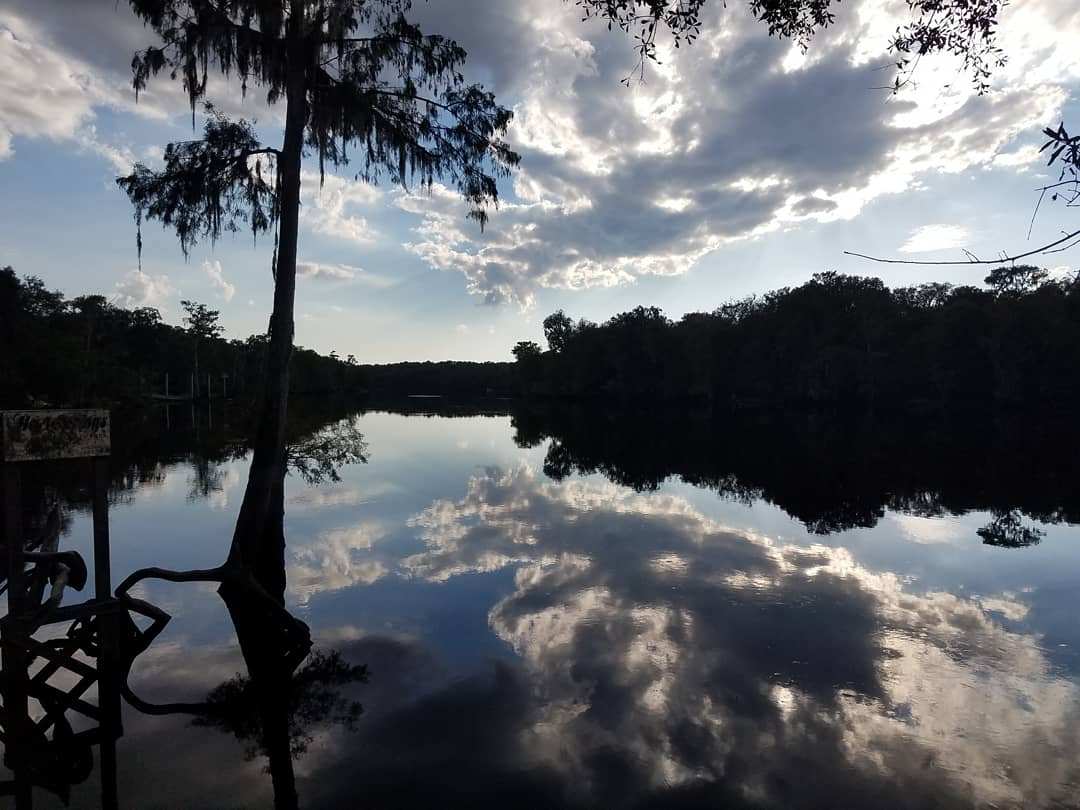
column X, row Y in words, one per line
column 737, row 165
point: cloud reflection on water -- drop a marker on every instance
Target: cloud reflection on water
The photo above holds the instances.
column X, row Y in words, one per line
column 667, row 653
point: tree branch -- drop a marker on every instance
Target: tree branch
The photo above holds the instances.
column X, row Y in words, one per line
column 1044, row 249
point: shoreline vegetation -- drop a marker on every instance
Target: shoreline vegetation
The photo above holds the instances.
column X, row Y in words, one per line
column 835, row 342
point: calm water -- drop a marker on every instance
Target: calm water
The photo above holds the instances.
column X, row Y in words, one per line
column 552, row 616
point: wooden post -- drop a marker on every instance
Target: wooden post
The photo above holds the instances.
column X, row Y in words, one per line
column 13, row 536
column 14, row 664
column 107, row 664
column 102, row 575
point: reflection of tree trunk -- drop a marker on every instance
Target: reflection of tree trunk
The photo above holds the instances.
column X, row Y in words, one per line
column 270, row 665
column 273, row 644
column 259, row 537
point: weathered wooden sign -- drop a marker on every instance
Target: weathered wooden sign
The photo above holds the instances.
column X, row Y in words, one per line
column 42, row 435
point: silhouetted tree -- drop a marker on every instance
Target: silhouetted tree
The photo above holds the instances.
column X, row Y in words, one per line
column 526, row 350
column 350, row 72
column 203, row 326
column 92, row 352
column 1015, row 278
column 527, row 356
column 558, row 330
column 836, row 339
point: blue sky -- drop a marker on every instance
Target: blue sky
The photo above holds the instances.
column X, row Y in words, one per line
column 738, row 166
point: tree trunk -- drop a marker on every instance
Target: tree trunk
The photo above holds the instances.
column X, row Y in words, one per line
column 195, row 386
column 259, row 537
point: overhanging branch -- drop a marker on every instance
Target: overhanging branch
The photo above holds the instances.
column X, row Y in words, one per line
column 1048, row 248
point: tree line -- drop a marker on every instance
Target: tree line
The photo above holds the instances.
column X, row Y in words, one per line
column 834, row 340
column 86, row 350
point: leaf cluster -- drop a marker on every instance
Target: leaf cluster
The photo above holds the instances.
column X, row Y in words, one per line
column 371, row 87
column 207, row 186
column 965, row 28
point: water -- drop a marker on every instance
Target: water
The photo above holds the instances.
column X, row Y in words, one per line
column 552, row 615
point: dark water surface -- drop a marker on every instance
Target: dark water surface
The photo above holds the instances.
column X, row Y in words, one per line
column 564, row 610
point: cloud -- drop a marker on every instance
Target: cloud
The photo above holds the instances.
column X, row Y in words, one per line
column 931, row 531
column 120, row 157
column 50, row 90
column 329, row 206
column 224, row 289
column 929, row 238
column 44, row 94
column 728, row 140
column 139, row 289
column 325, row 272
column 321, row 271
column 59, row 66
column 731, row 139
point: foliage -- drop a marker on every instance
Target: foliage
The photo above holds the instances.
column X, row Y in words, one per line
column 835, row 340
column 1007, row 530
column 1016, row 278
column 317, row 457
column 206, row 186
column 201, row 321
column 526, row 350
column 965, row 28
column 313, row 699
column 361, row 74
column 86, row 351
column 557, row 330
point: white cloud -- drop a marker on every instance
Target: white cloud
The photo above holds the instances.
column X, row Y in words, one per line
column 620, row 183
column 321, row 271
column 616, row 183
column 217, row 280
column 43, row 94
column 139, row 289
column 329, row 206
column 120, row 157
column 47, row 92
column 325, row 272
column 936, row 237
column 1019, row 158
